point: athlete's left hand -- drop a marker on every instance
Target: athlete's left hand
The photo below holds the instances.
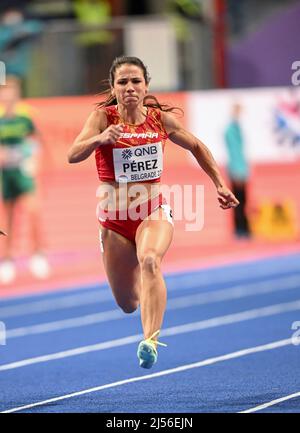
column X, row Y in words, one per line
column 226, row 198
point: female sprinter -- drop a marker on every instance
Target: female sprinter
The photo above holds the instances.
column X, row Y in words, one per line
column 128, row 132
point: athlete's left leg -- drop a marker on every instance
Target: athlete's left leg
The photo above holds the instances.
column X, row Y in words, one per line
column 153, row 238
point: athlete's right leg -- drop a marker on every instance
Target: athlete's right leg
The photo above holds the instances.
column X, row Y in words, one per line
column 122, row 269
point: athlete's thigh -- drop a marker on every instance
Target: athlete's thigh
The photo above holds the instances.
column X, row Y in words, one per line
column 154, row 235
column 121, row 265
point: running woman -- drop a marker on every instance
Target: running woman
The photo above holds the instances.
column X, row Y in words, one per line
column 128, row 132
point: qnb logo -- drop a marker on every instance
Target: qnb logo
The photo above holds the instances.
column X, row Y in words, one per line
column 126, row 154
column 296, row 74
column 2, row 334
column 142, row 151
column 296, row 335
column 2, row 74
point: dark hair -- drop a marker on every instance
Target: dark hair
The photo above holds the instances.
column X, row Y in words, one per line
column 111, row 99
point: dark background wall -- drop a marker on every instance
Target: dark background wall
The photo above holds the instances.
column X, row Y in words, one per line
column 264, row 57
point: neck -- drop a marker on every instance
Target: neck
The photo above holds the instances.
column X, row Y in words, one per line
column 133, row 115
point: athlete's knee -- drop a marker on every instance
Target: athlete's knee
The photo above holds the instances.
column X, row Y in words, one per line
column 150, row 262
column 129, row 306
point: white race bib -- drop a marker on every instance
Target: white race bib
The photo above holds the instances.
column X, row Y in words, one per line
column 138, row 163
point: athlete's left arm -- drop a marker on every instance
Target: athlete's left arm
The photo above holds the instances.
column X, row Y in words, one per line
column 188, row 141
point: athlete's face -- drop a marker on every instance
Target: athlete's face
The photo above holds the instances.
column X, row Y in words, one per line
column 129, row 86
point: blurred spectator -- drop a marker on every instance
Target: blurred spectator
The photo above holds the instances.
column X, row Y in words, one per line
column 93, row 13
column 238, row 170
column 16, row 37
column 181, row 11
column 19, row 160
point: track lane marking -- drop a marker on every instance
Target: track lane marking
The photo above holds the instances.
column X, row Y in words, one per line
column 174, row 330
column 237, row 292
column 271, row 403
column 60, row 303
column 175, row 280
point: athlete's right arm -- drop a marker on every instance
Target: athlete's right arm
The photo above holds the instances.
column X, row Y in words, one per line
column 95, row 133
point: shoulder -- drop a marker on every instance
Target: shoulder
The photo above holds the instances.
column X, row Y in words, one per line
column 111, row 113
column 98, row 119
column 170, row 122
column 165, row 117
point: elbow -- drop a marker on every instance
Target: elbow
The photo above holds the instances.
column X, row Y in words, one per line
column 72, row 155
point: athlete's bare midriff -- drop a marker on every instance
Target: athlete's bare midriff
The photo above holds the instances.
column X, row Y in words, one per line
column 119, row 196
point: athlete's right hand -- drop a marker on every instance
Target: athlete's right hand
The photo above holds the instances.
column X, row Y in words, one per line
column 110, row 135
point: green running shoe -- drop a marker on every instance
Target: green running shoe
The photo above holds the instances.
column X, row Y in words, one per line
column 147, row 353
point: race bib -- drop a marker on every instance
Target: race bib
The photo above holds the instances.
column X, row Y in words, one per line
column 138, row 163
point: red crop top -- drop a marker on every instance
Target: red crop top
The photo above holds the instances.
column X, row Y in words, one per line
column 138, row 155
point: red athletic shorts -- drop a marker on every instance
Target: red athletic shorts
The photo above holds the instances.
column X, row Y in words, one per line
column 125, row 223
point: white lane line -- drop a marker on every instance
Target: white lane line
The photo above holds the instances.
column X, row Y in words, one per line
column 236, row 292
column 216, row 276
column 59, row 303
column 73, row 352
column 244, row 352
column 51, row 290
column 270, row 310
column 173, row 304
column 176, row 283
column 271, row 403
column 59, row 325
column 174, row 330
